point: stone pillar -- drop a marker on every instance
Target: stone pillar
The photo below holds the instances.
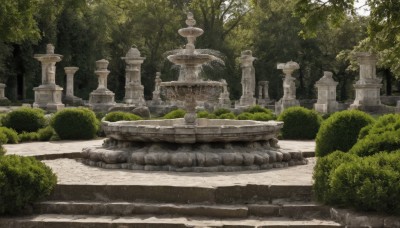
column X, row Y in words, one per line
column 289, row 87
column 48, row 95
column 368, row 86
column 156, row 93
column 70, row 99
column 3, row 99
column 224, row 100
column 263, row 97
column 102, row 99
column 326, row 87
column 248, row 79
column 134, row 90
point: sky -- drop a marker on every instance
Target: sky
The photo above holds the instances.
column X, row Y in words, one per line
column 362, row 10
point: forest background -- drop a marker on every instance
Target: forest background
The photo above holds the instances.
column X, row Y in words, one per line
column 321, row 35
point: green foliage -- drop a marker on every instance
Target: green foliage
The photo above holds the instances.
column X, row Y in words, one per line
column 229, row 115
column 369, row 184
column 3, row 138
column 202, row 114
column 322, row 175
column 258, row 108
column 2, row 152
column 5, row 102
column 28, row 136
column 383, row 135
column 178, row 113
column 221, row 111
column 25, row 119
column 340, row 131
column 23, row 180
column 262, row 116
column 300, row 123
column 118, row 116
column 245, row 116
column 75, row 123
column 12, row 135
column 45, row 134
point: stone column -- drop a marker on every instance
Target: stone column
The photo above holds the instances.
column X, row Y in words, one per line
column 3, row 99
column 368, row 86
column 70, row 98
column 289, row 87
column 248, row 79
column 102, row 98
column 48, row 95
column 263, row 97
column 134, row 90
column 326, row 87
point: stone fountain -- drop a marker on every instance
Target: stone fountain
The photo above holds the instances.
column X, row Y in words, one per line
column 191, row 144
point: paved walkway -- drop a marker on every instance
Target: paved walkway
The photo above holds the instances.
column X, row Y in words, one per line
column 72, row 171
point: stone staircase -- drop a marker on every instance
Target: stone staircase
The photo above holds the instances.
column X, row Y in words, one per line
column 123, row 206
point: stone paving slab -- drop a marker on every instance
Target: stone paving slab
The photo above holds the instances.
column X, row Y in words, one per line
column 73, row 172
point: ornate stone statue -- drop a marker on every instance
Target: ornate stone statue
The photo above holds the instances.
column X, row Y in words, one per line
column 289, row 87
column 248, row 79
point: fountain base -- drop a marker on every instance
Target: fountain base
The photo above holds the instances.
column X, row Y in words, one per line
column 197, row 157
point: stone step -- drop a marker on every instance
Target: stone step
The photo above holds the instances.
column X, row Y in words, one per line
column 90, row 221
column 299, row 210
column 182, row 194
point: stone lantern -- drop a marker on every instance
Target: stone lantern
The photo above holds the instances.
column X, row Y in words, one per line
column 102, row 99
column 326, row 87
column 263, row 97
column 48, row 95
column 368, row 86
column 289, row 87
column 134, row 90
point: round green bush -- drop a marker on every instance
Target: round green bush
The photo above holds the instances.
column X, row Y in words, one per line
column 383, row 135
column 45, row 134
column 178, row 113
column 118, row 116
column 340, row 131
column 369, row 185
column 202, row 114
column 323, row 170
column 221, row 111
column 12, row 135
column 75, row 123
column 299, row 123
column 25, row 119
column 229, row 116
column 23, row 180
column 245, row 116
column 262, row 116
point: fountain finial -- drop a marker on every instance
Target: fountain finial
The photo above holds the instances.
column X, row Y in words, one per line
column 190, row 21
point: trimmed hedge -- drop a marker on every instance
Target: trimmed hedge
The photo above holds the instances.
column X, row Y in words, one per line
column 221, row 111
column 340, row 131
column 370, row 184
column 245, row 116
column 258, row 108
column 45, row 134
column 23, row 180
column 229, row 116
column 383, row 135
column 118, row 116
column 75, row 123
column 178, row 113
column 202, row 114
column 299, row 123
column 28, row 136
column 25, row 119
column 262, row 116
column 322, row 175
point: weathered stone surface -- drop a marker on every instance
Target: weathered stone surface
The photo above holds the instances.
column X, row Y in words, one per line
column 181, row 159
column 248, row 159
column 279, row 156
column 212, row 159
column 142, row 111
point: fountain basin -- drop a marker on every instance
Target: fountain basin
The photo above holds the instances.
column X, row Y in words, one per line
column 189, row 59
column 201, row 90
column 206, row 130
